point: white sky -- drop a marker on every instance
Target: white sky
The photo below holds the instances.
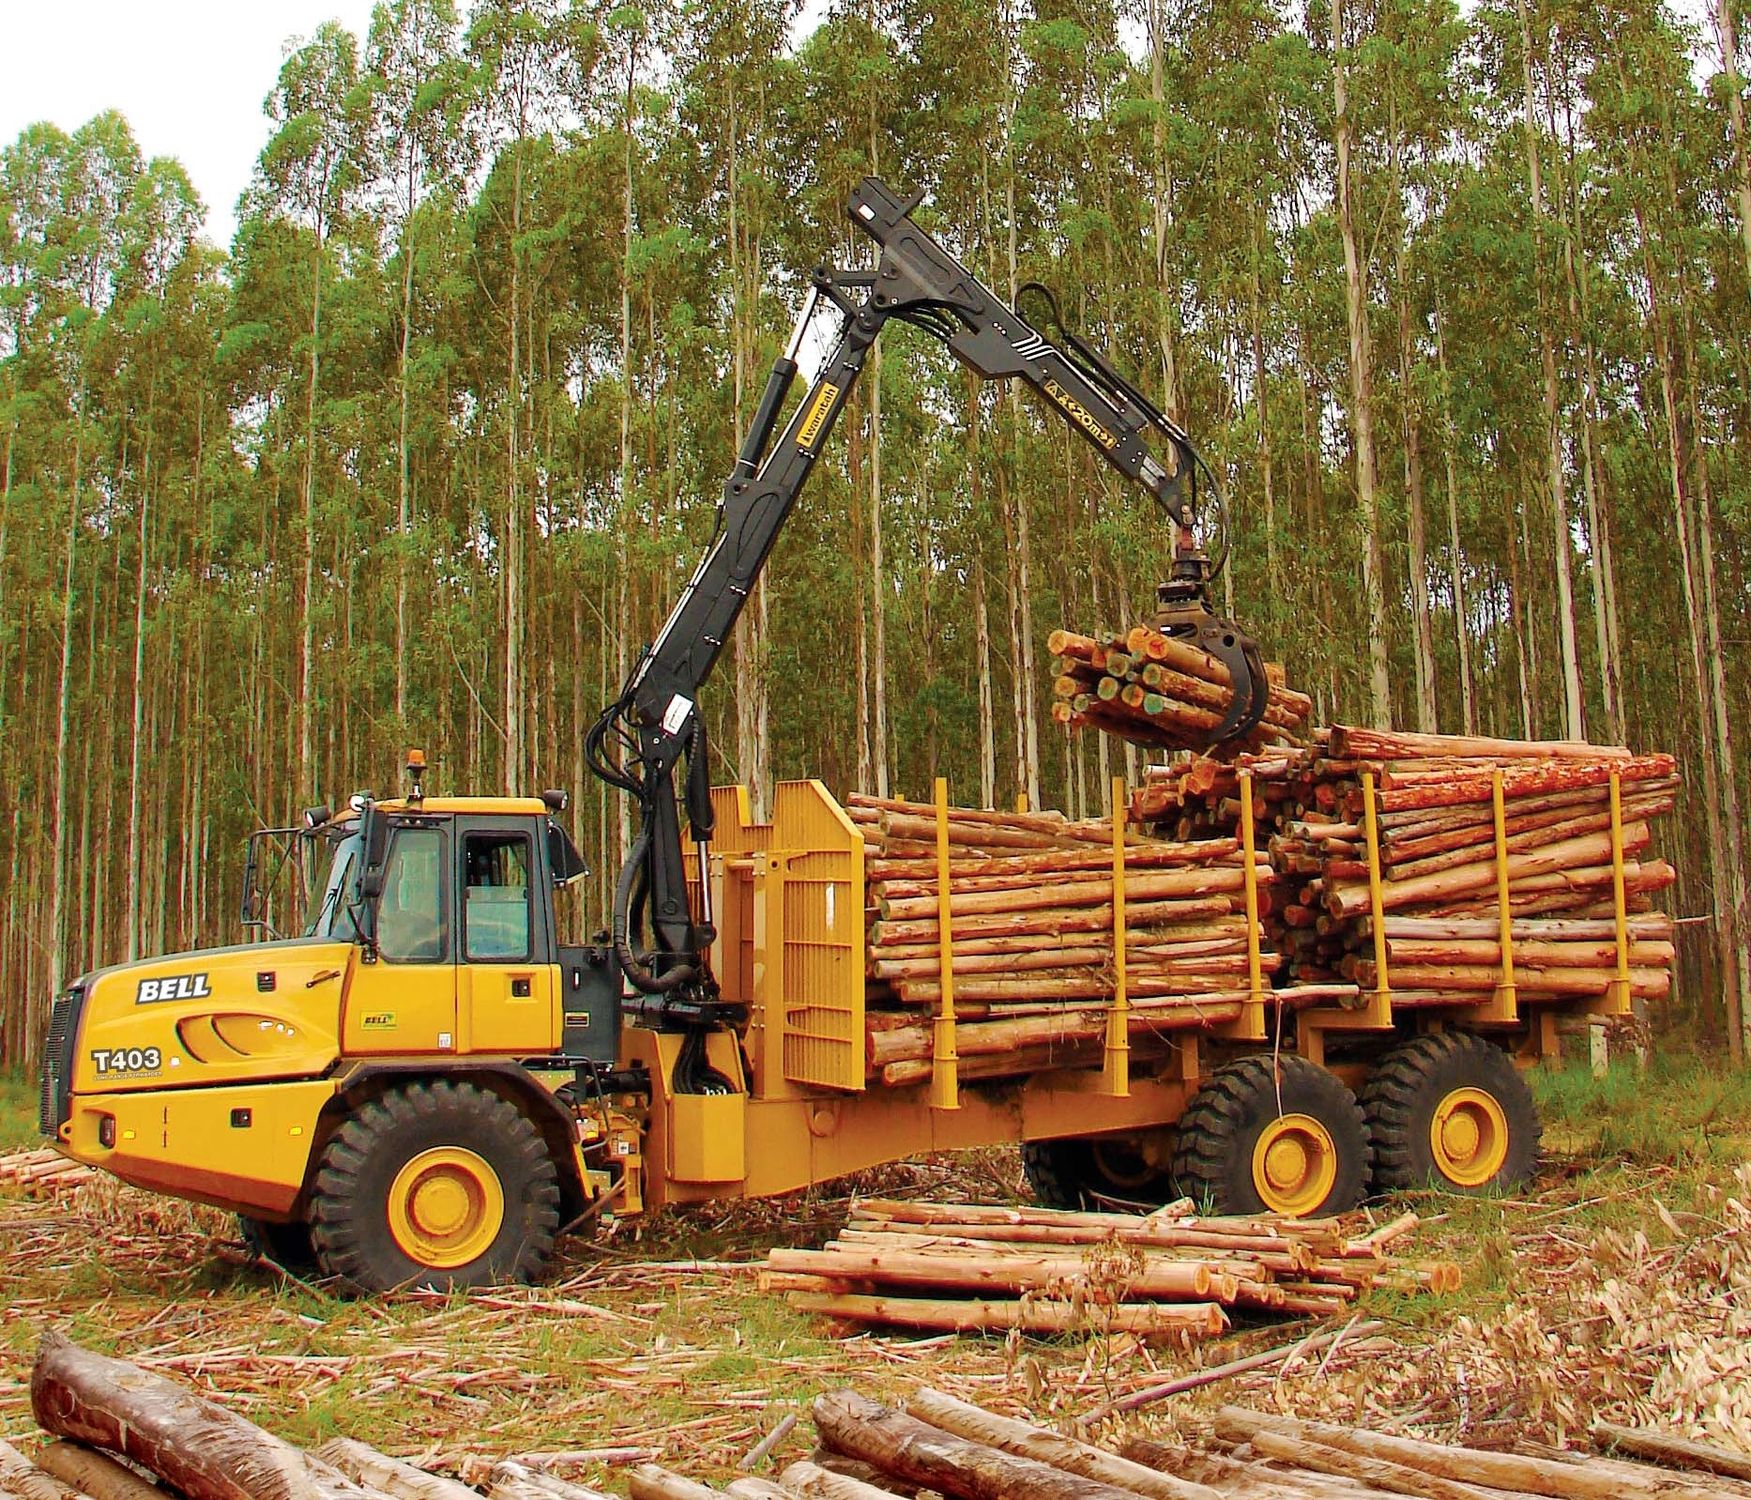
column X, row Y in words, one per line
column 190, row 75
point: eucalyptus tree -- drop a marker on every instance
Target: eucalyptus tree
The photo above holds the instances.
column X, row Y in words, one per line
column 310, row 175
column 159, row 226
column 1344, row 37
column 415, row 81
column 528, row 62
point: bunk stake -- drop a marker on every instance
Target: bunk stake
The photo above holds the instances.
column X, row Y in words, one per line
column 1249, row 1025
column 945, row 1083
column 1617, row 993
column 1116, row 1078
column 1505, row 1005
column 1382, row 996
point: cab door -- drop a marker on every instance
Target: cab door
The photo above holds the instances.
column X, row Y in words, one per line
column 506, row 980
column 402, row 999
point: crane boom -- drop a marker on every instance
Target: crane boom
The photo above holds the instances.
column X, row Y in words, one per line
column 656, row 719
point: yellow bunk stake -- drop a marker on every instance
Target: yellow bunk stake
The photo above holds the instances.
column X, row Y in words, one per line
column 1116, row 1077
column 1381, row 1005
column 1618, row 1002
column 1505, row 1003
column 945, row 1079
column 1249, row 1025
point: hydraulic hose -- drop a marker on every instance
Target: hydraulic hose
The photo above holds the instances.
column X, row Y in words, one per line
column 635, row 968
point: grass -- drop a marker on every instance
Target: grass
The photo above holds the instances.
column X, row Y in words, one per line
column 624, row 1347
column 18, row 1112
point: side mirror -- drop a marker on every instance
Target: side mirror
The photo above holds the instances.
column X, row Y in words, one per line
column 375, row 830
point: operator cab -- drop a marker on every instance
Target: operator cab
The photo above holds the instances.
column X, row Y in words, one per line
column 468, row 940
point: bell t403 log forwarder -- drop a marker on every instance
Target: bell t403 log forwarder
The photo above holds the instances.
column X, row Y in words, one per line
column 426, row 1086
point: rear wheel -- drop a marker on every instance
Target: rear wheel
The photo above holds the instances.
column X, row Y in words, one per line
column 1450, row 1111
column 435, row 1185
column 1284, row 1139
column 1093, row 1170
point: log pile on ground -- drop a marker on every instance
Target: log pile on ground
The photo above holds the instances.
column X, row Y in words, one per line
column 43, row 1173
column 1031, row 933
column 131, row 1434
column 968, row 1268
column 1154, row 690
column 1435, row 815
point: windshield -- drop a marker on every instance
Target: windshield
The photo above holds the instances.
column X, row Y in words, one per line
column 336, row 888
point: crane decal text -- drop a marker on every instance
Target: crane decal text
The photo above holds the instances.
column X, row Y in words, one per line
column 816, row 419
column 1080, row 414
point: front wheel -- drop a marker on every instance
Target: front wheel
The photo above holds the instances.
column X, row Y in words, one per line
column 435, row 1185
column 1282, row 1137
column 1450, row 1111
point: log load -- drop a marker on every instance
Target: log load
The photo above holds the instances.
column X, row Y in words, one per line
column 1031, row 937
column 1436, row 835
column 1160, row 692
column 962, row 1268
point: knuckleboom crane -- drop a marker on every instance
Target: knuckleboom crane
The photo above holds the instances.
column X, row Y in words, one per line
column 656, row 722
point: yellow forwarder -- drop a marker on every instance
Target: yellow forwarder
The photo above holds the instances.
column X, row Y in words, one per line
column 438, row 1076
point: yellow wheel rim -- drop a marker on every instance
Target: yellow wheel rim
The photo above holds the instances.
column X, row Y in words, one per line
column 1468, row 1137
column 446, row 1207
column 1294, row 1164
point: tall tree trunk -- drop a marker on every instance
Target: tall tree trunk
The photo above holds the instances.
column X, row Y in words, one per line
column 623, row 607
column 512, row 563
column 1721, row 880
column 64, row 718
column 404, row 472
column 1727, row 33
column 1736, row 917
column 878, row 665
column 1415, row 526
column 305, row 777
column 1162, row 212
column 1021, row 562
column 1261, row 407
column 1574, row 714
column 131, row 909
column 1598, row 503
column 750, row 639
column 1461, row 617
column 981, row 605
column 1361, row 392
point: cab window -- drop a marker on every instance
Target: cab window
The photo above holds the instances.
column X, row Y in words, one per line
column 495, row 916
column 327, row 919
column 410, row 916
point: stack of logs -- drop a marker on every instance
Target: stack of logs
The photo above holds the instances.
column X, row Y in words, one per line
column 1436, row 831
column 1031, row 927
column 43, row 1172
column 963, row 1268
column 1154, row 690
column 132, row 1434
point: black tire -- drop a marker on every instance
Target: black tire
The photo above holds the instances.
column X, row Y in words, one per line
column 286, row 1245
column 1415, row 1081
column 459, row 1141
column 1091, row 1171
column 1227, row 1136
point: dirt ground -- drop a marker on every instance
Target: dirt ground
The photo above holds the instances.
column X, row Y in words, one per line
column 1617, row 1286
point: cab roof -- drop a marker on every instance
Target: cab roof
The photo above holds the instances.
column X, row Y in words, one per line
column 523, row 807
column 528, row 807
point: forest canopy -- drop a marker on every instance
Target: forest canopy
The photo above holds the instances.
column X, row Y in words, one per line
column 1454, row 301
